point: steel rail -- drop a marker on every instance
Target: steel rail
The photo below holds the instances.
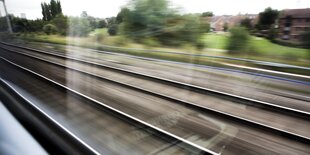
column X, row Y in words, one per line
column 195, row 88
column 221, row 68
column 187, row 143
column 183, row 102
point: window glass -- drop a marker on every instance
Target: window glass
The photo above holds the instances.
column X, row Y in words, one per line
column 160, row 76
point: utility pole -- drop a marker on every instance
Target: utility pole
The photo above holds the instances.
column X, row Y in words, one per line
column 7, row 18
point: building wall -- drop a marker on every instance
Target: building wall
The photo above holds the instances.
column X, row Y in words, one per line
column 295, row 29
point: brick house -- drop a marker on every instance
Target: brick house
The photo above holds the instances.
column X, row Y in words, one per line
column 218, row 22
column 293, row 22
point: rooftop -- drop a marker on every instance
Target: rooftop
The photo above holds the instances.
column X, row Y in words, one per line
column 296, row 13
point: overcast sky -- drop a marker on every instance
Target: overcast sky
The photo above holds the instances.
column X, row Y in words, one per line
column 107, row 8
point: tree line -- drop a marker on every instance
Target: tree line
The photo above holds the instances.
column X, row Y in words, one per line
column 53, row 21
column 156, row 22
column 51, row 10
column 143, row 21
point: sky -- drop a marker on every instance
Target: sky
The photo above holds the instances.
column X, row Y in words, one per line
column 108, row 8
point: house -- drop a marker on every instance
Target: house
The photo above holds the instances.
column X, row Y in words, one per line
column 293, row 22
column 217, row 22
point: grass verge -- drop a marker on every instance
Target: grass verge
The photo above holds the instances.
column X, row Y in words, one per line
column 262, row 46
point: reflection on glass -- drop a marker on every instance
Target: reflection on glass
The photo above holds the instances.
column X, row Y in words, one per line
column 165, row 77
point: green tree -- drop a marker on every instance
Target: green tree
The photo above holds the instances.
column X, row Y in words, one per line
column 272, row 34
column 59, row 9
column 225, row 27
column 51, row 10
column 111, row 21
column 147, row 17
column 61, row 22
column 157, row 21
column 205, row 27
column 122, row 15
column 78, row 27
column 238, row 40
column 46, row 12
column 35, row 25
column 247, row 23
column 49, row 29
column 19, row 24
column 84, row 14
column 102, row 24
column 267, row 18
column 23, row 25
column 92, row 20
column 207, row 14
column 113, row 30
column 305, row 40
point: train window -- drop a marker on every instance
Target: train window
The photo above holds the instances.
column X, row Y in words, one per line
column 158, row 76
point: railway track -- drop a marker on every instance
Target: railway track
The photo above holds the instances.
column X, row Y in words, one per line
column 182, row 85
column 232, row 152
column 282, row 76
column 285, row 133
column 249, row 117
column 73, row 111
